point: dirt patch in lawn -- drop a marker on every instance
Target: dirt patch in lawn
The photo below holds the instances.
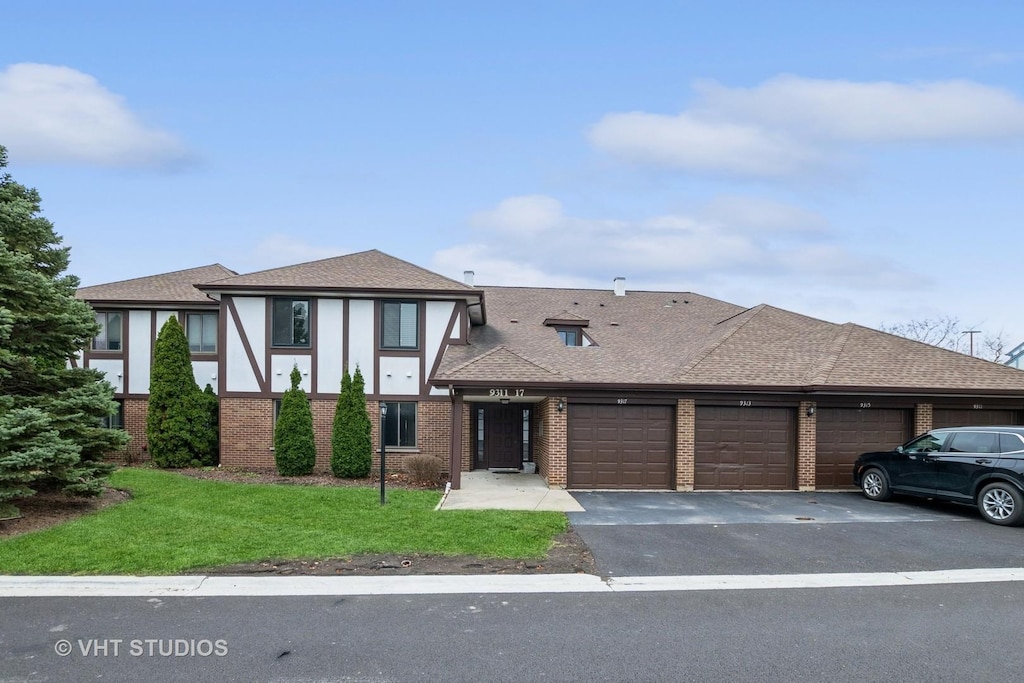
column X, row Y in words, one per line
column 568, row 555
column 49, row 508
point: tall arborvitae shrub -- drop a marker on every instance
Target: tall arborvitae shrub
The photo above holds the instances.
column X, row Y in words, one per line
column 211, row 434
column 351, row 450
column 178, row 417
column 361, row 427
column 294, row 444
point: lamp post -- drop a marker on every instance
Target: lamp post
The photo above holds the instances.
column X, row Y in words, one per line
column 383, row 414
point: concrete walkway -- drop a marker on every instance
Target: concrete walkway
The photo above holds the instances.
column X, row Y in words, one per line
column 484, row 490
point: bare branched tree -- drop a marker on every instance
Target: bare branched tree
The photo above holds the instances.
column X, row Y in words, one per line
column 947, row 332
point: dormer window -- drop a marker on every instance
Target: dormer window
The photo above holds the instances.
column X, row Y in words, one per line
column 570, row 329
column 571, row 337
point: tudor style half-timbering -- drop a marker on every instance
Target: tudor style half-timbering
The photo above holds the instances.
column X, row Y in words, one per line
column 130, row 314
column 388, row 318
column 595, row 388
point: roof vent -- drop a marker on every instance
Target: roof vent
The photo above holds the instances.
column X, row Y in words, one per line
column 467, row 277
column 620, row 286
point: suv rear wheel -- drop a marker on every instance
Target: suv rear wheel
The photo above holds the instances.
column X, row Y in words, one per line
column 1001, row 503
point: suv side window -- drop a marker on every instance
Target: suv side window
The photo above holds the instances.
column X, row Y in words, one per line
column 929, row 443
column 1010, row 443
column 974, row 442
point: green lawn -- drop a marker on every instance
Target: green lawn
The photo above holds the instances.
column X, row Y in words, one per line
column 175, row 523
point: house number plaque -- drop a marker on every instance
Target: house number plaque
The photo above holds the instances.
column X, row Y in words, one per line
column 508, row 393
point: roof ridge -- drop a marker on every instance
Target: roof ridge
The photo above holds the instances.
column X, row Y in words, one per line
column 699, row 358
column 825, row 363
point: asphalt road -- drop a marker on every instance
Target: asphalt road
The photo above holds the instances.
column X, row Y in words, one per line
column 934, row 633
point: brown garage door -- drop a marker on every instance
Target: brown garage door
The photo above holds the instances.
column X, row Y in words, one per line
column 745, row 448
column 845, row 433
column 620, row 447
column 956, row 417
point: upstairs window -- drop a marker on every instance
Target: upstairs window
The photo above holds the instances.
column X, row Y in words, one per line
column 291, row 322
column 400, row 325
column 109, row 337
column 201, row 330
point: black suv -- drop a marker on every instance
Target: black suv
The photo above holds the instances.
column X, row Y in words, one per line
column 981, row 466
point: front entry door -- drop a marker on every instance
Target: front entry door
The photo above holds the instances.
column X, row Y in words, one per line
column 503, row 436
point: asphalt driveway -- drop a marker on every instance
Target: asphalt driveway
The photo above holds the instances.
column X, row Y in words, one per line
column 674, row 533
column 745, row 507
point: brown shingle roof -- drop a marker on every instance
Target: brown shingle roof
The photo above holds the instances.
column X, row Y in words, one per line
column 366, row 270
column 679, row 340
column 176, row 287
column 644, row 337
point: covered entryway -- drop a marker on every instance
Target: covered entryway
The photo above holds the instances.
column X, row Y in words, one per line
column 502, row 429
column 620, row 446
column 845, row 433
column 745, row 448
column 966, row 417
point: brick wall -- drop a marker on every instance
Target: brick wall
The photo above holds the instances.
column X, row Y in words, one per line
column 922, row 418
column 247, row 433
column 806, row 446
column 468, row 445
column 686, row 414
column 551, row 448
column 135, row 425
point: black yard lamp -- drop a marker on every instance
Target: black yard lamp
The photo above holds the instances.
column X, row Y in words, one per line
column 383, row 414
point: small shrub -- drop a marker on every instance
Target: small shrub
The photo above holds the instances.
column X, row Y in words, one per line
column 424, row 468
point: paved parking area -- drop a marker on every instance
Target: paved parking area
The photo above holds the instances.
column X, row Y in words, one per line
column 742, row 507
column 665, row 534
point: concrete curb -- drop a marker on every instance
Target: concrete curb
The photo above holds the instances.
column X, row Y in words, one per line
column 236, row 586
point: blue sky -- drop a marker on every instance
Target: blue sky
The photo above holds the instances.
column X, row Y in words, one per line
column 850, row 161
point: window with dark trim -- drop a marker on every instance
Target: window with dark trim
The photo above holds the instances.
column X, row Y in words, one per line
column 400, row 325
column 400, row 425
column 109, row 336
column 201, row 330
column 570, row 336
column 290, row 322
column 115, row 421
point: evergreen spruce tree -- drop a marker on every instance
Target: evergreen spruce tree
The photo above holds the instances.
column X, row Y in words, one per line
column 294, row 444
column 51, row 432
column 178, row 417
column 340, row 465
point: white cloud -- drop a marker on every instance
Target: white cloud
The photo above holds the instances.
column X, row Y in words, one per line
column 688, row 142
column 57, row 115
column 728, row 237
column 279, row 250
column 789, row 125
column 529, row 214
column 869, row 112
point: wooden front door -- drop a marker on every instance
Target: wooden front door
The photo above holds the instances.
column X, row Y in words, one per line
column 503, row 436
